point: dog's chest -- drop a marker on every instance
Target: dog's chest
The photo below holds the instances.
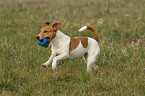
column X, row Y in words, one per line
column 60, row 47
column 61, row 43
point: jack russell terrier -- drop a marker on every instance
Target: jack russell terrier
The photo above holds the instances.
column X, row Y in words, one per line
column 64, row 46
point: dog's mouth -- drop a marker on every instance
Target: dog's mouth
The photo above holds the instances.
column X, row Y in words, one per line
column 48, row 42
column 41, row 40
column 45, row 42
column 38, row 38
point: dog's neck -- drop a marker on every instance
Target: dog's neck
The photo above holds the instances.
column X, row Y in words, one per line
column 60, row 38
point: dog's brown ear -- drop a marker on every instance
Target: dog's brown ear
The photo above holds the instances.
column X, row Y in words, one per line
column 56, row 26
column 46, row 23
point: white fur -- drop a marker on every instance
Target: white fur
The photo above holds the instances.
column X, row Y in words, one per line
column 60, row 43
column 83, row 28
column 60, row 46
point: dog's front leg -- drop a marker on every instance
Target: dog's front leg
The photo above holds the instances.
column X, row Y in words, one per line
column 49, row 61
column 59, row 57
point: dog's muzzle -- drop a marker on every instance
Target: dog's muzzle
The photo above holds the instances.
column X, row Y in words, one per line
column 37, row 37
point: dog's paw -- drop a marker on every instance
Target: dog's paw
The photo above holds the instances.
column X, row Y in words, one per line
column 44, row 65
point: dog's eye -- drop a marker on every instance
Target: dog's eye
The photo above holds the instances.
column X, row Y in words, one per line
column 45, row 31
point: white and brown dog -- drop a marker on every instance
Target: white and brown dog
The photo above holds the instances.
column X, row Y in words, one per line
column 64, row 46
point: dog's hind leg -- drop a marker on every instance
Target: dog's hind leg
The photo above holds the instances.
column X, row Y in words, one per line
column 85, row 57
column 94, row 66
column 90, row 63
column 92, row 56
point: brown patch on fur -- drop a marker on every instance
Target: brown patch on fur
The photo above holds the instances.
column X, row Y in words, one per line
column 74, row 42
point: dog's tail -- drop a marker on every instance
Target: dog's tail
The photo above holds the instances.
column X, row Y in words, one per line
column 95, row 33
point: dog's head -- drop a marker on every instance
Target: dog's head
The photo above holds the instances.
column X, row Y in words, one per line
column 48, row 31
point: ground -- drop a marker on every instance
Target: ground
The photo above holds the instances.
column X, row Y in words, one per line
column 121, row 28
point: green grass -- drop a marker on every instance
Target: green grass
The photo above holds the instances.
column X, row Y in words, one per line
column 121, row 39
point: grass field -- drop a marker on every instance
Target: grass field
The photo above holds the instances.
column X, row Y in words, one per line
column 121, row 28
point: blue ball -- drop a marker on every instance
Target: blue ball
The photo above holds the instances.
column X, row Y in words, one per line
column 43, row 42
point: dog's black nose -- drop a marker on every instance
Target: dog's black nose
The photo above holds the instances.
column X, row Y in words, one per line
column 37, row 37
